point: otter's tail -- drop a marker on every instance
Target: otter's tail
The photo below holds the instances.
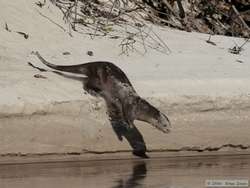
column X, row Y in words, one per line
column 78, row 69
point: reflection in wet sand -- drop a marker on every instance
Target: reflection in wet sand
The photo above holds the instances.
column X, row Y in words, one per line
column 181, row 172
column 138, row 174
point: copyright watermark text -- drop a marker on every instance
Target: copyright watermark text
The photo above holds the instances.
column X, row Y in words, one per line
column 242, row 183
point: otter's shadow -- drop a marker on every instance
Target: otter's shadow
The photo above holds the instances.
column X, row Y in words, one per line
column 138, row 174
column 120, row 127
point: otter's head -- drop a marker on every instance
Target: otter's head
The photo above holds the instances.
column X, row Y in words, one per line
column 152, row 115
column 161, row 122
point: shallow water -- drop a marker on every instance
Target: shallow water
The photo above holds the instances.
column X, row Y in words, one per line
column 179, row 172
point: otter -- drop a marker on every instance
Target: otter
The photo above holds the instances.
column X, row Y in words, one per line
column 124, row 105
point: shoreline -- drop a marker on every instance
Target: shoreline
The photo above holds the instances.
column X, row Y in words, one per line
column 65, row 158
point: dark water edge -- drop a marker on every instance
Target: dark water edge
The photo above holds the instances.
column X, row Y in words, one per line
column 179, row 172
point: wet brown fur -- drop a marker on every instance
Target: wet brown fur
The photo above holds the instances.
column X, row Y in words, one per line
column 123, row 103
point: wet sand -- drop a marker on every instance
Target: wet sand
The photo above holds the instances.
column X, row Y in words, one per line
column 172, row 172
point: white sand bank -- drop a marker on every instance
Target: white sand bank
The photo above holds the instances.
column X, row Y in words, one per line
column 204, row 89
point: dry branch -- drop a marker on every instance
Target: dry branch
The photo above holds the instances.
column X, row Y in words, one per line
column 240, row 18
column 118, row 19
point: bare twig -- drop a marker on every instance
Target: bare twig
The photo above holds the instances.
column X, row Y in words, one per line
column 246, row 41
column 162, row 42
column 127, row 44
column 74, row 23
column 7, row 27
column 25, row 35
column 240, row 18
column 181, row 9
column 61, row 27
column 237, row 49
column 170, row 7
column 209, row 41
column 127, row 22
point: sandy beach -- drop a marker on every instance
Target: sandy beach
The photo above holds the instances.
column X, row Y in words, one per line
column 204, row 89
